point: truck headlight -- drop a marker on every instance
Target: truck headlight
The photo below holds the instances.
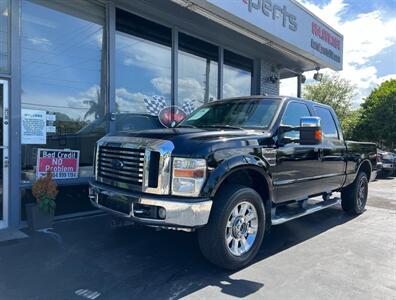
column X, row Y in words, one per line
column 188, row 176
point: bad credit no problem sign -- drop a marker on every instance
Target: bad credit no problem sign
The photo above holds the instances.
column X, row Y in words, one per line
column 63, row 164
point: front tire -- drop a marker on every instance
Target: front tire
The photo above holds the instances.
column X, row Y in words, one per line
column 236, row 227
column 354, row 197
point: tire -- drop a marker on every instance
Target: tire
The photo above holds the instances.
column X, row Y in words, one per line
column 354, row 196
column 213, row 237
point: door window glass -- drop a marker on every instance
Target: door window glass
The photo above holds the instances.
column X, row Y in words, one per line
column 237, row 75
column 291, row 117
column 329, row 127
column 143, row 65
column 197, row 71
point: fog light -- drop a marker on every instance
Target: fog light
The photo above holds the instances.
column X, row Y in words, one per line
column 161, row 213
column 91, row 193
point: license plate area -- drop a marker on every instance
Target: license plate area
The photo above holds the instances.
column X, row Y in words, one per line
column 117, row 203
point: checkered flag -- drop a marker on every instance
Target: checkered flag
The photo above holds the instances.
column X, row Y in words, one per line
column 154, row 105
column 188, row 106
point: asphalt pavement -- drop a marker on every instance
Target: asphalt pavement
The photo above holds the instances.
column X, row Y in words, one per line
column 327, row 255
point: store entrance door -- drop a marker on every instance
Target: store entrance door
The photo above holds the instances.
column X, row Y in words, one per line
column 4, row 153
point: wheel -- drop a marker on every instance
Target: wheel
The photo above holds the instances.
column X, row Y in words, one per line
column 236, row 227
column 354, row 197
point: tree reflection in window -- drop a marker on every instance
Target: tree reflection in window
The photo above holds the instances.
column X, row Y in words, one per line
column 61, row 63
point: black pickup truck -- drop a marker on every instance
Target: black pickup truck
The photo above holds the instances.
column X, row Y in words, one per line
column 232, row 169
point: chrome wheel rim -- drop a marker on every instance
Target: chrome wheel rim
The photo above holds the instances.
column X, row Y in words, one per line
column 362, row 194
column 241, row 228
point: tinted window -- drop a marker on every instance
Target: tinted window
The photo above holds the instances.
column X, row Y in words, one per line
column 142, row 65
column 292, row 115
column 237, row 75
column 329, row 127
column 61, row 63
column 251, row 113
column 197, row 71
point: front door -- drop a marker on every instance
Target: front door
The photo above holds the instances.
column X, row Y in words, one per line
column 296, row 165
column 4, row 153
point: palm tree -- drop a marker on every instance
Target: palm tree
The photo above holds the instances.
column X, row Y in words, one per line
column 95, row 106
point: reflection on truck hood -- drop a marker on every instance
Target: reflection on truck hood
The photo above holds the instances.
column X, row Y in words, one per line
column 199, row 142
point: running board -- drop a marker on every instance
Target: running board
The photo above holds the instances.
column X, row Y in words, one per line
column 290, row 213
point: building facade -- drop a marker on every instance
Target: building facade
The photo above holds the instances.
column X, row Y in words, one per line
column 73, row 71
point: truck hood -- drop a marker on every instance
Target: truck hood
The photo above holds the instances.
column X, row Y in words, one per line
column 199, row 142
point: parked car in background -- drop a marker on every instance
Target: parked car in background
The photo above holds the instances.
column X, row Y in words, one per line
column 386, row 163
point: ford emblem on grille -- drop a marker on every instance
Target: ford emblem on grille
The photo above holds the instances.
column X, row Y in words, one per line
column 117, row 164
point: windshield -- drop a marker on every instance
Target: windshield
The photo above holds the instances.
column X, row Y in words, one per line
column 243, row 113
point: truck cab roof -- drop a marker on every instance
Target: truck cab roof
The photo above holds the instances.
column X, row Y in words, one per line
column 272, row 97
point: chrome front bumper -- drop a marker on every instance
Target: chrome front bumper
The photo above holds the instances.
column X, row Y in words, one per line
column 180, row 212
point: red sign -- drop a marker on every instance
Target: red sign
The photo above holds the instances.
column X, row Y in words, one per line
column 326, row 36
column 63, row 164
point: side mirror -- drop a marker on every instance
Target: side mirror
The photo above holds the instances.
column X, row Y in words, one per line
column 310, row 131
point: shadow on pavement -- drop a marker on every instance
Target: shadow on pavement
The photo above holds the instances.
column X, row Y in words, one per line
column 133, row 262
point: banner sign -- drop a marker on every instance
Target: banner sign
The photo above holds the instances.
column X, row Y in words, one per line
column 285, row 22
column 63, row 164
column 33, row 126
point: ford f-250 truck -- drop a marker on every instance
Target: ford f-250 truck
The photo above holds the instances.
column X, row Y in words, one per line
column 232, row 169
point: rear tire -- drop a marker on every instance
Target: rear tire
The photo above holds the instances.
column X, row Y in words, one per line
column 236, row 227
column 354, row 196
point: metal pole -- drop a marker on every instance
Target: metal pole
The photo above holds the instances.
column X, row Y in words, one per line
column 299, row 86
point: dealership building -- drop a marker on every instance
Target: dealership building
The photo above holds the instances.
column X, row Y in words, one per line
column 72, row 71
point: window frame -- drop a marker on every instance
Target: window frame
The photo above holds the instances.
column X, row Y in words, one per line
column 336, row 125
column 285, row 110
column 287, row 106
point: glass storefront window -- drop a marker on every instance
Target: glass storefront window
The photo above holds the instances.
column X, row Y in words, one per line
column 143, row 65
column 4, row 36
column 197, row 72
column 237, row 75
column 61, row 67
column 61, row 62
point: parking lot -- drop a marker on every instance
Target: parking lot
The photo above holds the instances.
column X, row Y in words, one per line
column 327, row 255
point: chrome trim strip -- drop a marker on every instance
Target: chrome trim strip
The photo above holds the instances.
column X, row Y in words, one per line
column 131, row 158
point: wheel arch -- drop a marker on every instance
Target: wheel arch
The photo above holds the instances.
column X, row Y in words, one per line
column 366, row 167
column 247, row 171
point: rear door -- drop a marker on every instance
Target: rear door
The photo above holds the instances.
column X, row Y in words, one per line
column 332, row 150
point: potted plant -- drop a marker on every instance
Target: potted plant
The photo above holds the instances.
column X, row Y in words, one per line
column 40, row 215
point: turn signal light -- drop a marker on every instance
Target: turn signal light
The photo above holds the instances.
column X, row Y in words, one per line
column 189, row 173
column 318, row 135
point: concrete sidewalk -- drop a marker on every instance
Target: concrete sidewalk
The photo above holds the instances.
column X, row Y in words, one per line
column 327, row 255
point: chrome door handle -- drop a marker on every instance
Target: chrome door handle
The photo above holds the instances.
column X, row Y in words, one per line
column 3, row 147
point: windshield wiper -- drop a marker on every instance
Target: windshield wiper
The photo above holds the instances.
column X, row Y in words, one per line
column 222, row 126
column 186, row 126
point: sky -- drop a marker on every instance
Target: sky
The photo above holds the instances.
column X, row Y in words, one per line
column 369, row 30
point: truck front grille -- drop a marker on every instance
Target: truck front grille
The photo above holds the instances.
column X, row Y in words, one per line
column 121, row 167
